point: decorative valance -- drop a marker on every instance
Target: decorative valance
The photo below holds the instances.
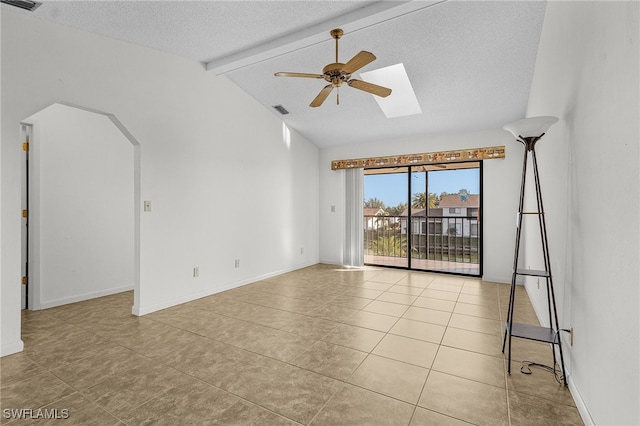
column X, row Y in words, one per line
column 419, row 159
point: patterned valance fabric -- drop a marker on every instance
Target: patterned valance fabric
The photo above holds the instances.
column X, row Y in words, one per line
column 419, row 159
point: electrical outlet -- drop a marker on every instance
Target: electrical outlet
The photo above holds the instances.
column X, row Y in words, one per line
column 237, row 263
column 196, row 272
column 301, row 250
column 538, row 282
column 571, row 337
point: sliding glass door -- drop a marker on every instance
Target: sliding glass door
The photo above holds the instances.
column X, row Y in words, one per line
column 424, row 217
column 385, row 205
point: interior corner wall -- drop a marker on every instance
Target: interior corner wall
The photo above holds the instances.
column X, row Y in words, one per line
column 587, row 74
column 501, row 189
column 81, row 219
column 224, row 180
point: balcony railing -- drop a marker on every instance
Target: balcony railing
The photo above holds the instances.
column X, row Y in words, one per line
column 443, row 238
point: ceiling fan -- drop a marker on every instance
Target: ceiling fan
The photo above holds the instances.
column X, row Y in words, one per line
column 338, row 73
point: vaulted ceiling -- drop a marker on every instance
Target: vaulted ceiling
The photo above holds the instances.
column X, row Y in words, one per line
column 470, row 62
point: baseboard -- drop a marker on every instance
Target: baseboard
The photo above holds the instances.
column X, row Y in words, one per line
column 11, row 348
column 580, row 405
column 542, row 314
column 331, row 262
column 82, row 297
column 144, row 310
column 499, row 280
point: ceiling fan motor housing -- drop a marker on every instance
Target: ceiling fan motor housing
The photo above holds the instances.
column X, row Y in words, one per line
column 334, row 74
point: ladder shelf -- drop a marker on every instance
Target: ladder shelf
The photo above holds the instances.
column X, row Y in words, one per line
column 533, row 332
column 533, row 273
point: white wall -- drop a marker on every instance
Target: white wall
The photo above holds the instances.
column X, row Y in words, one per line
column 587, row 74
column 501, row 188
column 81, row 207
column 223, row 182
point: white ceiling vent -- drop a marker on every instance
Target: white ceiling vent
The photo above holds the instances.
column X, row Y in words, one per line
column 281, row 109
column 23, row 4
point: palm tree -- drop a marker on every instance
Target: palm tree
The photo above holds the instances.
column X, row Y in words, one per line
column 397, row 210
column 374, row 203
column 419, row 200
column 390, row 245
column 434, row 201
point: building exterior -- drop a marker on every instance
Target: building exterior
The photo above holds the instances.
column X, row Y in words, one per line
column 457, row 214
column 373, row 217
column 461, row 213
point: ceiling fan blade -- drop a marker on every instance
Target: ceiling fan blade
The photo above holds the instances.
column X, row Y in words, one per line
column 370, row 87
column 360, row 60
column 321, row 96
column 298, row 74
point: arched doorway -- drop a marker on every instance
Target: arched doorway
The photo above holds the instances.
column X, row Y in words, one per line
column 83, row 186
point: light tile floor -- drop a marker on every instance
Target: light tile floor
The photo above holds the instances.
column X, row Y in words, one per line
column 322, row 345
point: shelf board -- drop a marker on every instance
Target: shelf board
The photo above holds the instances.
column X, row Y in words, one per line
column 533, row 332
column 533, row 272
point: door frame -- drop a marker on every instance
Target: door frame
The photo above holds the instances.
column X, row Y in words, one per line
column 410, row 216
column 26, row 132
column 33, row 297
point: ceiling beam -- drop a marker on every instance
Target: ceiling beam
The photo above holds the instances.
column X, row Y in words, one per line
column 351, row 22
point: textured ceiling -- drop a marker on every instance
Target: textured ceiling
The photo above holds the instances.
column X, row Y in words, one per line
column 199, row 30
column 470, row 62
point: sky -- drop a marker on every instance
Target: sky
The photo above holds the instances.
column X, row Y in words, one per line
column 392, row 188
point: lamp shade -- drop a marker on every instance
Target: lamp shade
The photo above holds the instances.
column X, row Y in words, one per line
column 530, row 127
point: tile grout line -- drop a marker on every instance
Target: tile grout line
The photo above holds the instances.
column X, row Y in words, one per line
column 505, row 366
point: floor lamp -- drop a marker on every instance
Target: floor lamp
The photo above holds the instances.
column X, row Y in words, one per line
column 529, row 131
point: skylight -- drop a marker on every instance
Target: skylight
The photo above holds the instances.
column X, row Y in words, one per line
column 402, row 101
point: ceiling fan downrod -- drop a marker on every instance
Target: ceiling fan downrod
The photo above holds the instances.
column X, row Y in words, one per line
column 336, row 34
